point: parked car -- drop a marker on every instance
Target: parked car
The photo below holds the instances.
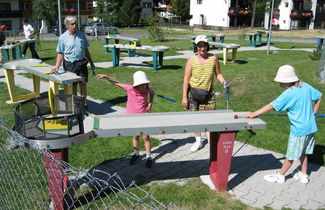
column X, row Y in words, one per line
column 102, row 28
column 56, row 29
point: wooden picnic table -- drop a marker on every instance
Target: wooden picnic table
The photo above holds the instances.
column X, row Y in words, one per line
column 39, row 70
column 157, row 53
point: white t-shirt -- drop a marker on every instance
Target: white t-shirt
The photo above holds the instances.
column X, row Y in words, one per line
column 28, row 29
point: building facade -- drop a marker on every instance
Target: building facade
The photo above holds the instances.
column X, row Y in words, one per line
column 290, row 14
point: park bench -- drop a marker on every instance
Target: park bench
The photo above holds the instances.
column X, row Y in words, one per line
column 226, row 47
column 256, row 38
column 320, row 41
column 117, row 39
column 38, row 70
column 156, row 51
column 15, row 48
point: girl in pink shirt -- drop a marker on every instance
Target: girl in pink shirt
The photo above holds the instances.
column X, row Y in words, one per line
column 137, row 102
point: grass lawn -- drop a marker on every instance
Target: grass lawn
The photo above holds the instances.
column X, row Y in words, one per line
column 252, row 87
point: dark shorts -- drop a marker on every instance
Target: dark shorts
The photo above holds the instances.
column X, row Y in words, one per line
column 206, row 105
column 78, row 67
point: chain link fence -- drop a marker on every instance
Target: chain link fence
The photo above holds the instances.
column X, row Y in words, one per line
column 34, row 178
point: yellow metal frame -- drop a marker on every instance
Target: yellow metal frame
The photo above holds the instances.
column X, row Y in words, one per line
column 10, row 79
column 225, row 52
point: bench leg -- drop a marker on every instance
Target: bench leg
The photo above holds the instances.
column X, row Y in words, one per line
column 154, row 60
column 6, row 55
column 221, row 147
column 259, row 39
column 116, row 56
column 106, row 42
column 254, row 41
column 10, row 79
column 225, row 52
column 222, row 39
column 161, row 59
column 250, row 43
column 19, row 54
column 13, row 52
column 234, row 54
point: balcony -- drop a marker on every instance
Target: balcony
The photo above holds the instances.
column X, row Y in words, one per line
column 301, row 14
column 72, row 11
column 233, row 11
column 11, row 14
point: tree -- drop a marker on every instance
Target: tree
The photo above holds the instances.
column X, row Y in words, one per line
column 181, row 8
column 129, row 12
column 107, row 11
column 44, row 10
column 260, row 7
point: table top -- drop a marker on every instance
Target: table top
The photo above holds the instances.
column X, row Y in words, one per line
column 143, row 47
column 37, row 67
column 170, row 123
column 19, row 42
column 122, row 38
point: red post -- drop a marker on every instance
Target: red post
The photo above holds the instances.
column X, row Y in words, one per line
column 57, row 179
column 221, row 147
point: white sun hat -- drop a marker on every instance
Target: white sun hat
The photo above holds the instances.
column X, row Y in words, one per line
column 140, row 78
column 286, row 74
column 201, row 38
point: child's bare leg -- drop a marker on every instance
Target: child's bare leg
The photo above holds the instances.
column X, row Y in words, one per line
column 304, row 164
column 83, row 91
column 75, row 88
column 285, row 167
column 147, row 145
column 136, row 144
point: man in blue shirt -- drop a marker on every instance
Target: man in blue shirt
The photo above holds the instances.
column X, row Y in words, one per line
column 73, row 50
column 297, row 101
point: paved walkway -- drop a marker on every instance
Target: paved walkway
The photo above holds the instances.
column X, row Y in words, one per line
column 175, row 163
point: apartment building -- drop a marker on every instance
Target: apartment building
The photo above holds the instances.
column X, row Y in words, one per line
column 290, row 14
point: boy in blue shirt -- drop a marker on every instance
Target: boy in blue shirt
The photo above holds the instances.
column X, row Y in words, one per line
column 297, row 101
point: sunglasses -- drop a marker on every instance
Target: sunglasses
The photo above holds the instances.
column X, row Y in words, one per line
column 202, row 46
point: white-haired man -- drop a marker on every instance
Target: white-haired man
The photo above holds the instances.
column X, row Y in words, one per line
column 73, row 51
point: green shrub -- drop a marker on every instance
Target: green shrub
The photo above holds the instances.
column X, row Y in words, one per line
column 317, row 53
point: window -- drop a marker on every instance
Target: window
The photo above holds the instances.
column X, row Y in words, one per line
column 5, row 7
column 146, row 5
column 199, row 1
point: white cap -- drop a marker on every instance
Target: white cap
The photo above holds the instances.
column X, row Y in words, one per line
column 201, row 38
column 286, row 74
column 140, row 78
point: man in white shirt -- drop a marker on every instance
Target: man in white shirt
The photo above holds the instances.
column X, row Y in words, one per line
column 29, row 32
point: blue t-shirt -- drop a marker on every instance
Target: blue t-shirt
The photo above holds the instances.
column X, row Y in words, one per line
column 297, row 101
column 72, row 46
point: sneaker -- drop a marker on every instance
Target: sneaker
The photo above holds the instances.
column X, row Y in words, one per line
column 303, row 178
column 149, row 162
column 275, row 178
column 134, row 159
column 196, row 146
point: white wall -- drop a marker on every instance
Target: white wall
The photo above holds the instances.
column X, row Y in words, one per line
column 215, row 12
column 285, row 8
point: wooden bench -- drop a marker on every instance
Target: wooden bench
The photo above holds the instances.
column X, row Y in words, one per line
column 157, row 53
column 117, row 39
column 38, row 70
column 226, row 47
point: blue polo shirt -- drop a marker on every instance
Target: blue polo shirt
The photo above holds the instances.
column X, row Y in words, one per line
column 72, row 46
column 298, row 102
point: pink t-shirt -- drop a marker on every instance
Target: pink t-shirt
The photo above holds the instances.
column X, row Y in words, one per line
column 137, row 101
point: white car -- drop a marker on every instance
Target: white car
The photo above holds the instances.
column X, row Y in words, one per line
column 102, row 28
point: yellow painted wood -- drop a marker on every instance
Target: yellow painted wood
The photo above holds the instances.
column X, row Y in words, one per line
column 225, row 51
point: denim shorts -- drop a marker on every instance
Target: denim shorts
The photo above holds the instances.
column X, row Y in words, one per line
column 300, row 145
